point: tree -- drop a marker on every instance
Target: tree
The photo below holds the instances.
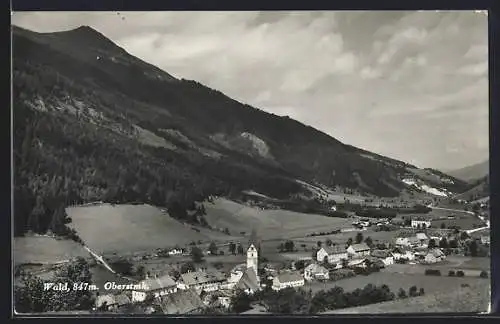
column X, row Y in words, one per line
column 226, row 231
column 443, row 243
column 443, row 225
column 187, row 267
column 319, row 243
column 329, row 242
column 432, row 244
column 473, row 248
column 36, row 216
column 464, row 236
column 196, row 254
column 369, row 241
column 240, row 249
column 412, row 292
column 289, row 246
column 349, row 241
column 402, row 293
column 453, row 244
column 140, row 271
column 232, row 248
column 325, row 260
column 359, row 238
column 212, row 248
column 240, row 302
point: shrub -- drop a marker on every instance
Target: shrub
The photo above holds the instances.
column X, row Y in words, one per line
column 451, row 273
column 402, row 293
column 421, row 292
column 432, row 272
column 483, row 274
column 460, row 273
column 341, row 274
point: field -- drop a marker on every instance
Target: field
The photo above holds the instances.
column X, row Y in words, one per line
column 473, row 299
column 269, row 223
column 395, row 281
column 464, row 221
column 45, row 250
column 130, row 228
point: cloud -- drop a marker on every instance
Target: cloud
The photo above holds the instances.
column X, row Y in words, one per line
column 404, row 84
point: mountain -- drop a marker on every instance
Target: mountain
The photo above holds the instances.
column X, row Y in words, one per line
column 480, row 190
column 473, row 172
column 94, row 123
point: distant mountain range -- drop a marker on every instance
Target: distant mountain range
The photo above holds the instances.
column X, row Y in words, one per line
column 473, row 172
column 93, row 122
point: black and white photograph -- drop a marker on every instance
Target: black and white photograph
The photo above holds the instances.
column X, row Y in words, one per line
column 198, row 163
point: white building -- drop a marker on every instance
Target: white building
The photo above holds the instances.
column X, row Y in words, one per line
column 385, row 256
column 287, row 280
column 334, row 254
column 157, row 287
column 253, row 259
column 203, row 281
column 316, row 271
column 403, row 254
column 420, row 223
column 358, row 250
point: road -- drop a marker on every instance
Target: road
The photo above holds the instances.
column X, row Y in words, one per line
column 99, row 259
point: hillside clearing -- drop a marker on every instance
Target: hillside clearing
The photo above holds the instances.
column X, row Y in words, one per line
column 270, row 223
column 45, row 250
column 131, row 228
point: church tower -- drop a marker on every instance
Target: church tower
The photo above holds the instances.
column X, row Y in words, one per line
column 252, row 259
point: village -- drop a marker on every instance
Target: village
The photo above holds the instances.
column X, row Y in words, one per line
column 202, row 281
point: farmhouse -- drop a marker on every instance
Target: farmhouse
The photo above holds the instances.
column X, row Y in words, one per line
column 202, row 280
column 384, row 255
column 334, row 254
column 157, row 287
column 401, row 253
column 358, row 263
column 316, row 271
column 176, row 251
column 358, row 250
column 287, row 280
column 422, row 238
column 420, row 222
column 181, row 302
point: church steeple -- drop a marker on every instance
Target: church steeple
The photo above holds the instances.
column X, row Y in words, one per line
column 253, row 259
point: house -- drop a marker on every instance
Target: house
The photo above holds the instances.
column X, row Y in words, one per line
column 316, row 271
column 358, row 250
column 402, row 241
column 176, row 251
column 400, row 253
column 234, row 277
column 431, row 256
column 422, row 237
column 249, row 282
column 112, row 302
column 287, row 280
column 334, row 254
column 485, row 239
column 384, row 255
column 203, row 280
column 420, row 222
column 157, row 287
column 357, row 263
column 182, row 302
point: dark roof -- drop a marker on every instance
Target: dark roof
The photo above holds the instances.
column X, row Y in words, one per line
column 248, row 281
column 360, row 247
column 201, row 277
column 159, row 283
column 335, row 249
column 181, row 302
column 381, row 253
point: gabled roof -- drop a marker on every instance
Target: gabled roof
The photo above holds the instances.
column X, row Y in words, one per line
column 181, row 302
column 381, row 253
column 421, row 236
column 316, row 268
column 335, row 249
column 248, row 281
column 108, row 299
column 289, row 277
column 437, row 253
column 122, row 299
column 162, row 282
column 360, row 247
column 201, row 277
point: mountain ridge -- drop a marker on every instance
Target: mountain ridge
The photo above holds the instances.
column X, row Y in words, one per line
column 160, row 139
column 472, row 172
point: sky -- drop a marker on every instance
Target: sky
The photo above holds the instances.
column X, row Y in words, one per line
column 409, row 85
